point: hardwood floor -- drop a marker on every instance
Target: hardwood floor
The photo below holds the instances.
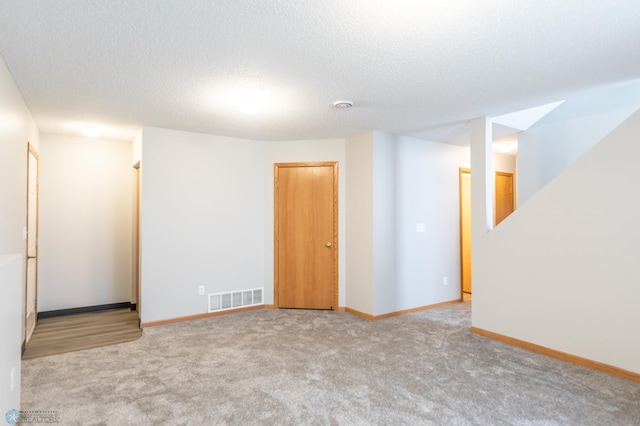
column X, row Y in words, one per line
column 83, row 331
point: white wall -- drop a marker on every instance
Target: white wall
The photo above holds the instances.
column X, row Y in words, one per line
column 203, row 219
column 385, row 210
column 359, row 223
column 304, row 151
column 11, row 318
column 562, row 272
column 16, row 129
column 394, row 184
column 427, row 192
column 566, row 133
column 136, row 151
column 504, row 163
column 174, row 164
column 85, row 222
column 136, row 148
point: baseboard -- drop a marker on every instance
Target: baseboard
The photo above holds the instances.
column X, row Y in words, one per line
column 358, row 313
column 338, row 309
column 270, row 306
column 200, row 316
column 83, row 310
column 574, row 359
column 403, row 312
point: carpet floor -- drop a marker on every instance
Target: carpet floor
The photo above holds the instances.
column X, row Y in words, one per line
column 296, row 367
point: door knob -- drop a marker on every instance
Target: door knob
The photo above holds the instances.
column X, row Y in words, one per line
column 328, row 244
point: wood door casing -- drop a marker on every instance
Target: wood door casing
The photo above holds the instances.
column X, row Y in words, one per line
column 306, row 235
column 31, row 278
column 465, row 229
column 503, row 197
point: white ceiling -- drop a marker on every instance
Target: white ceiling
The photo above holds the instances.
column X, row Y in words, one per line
column 420, row 68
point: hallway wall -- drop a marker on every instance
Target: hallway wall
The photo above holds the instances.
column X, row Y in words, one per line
column 86, row 217
column 562, row 272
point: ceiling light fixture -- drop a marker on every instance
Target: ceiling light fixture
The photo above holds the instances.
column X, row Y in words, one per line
column 91, row 131
column 506, row 147
column 249, row 102
column 343, row 104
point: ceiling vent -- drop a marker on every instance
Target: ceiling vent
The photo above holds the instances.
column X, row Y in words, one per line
column 343, row 104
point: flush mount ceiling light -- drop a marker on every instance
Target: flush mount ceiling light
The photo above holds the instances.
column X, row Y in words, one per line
column 506, row 147
column 249, row 103
column 91, row 131
column 343, row 104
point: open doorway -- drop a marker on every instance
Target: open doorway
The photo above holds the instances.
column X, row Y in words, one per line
column 136, row 240
column 465, row 232
column 31, row 291
column 504, row 205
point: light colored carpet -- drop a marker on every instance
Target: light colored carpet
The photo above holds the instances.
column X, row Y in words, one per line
column 294, row 367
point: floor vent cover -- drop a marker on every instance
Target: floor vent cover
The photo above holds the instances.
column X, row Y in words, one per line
column 235, row 299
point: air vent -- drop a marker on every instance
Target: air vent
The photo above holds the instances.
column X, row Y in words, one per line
column 235, row 299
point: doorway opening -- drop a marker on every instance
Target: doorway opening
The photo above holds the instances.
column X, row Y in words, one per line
column 136, row 240
column 465, row 232
column 504, row 205
column 31, row 291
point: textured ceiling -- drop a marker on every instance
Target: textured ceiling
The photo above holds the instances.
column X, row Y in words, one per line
column 420, row 68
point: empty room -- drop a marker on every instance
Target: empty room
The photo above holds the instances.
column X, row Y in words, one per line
column 363, row 212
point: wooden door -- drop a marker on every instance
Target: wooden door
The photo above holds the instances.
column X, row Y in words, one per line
column 504, row 196
column 306, row 235
column 465, row 229
column 31, row 293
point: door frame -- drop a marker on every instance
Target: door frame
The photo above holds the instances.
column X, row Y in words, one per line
column 276, row 245
column 495, row 202
column 136, row 235
column 461, row 171
column 31, row 151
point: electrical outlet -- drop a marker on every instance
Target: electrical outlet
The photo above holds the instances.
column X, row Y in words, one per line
column 201, row 290
column 445, row 281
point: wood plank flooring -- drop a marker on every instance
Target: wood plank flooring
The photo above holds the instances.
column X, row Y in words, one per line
column 83, row 331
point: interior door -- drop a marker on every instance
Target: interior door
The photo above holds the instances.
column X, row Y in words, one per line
column 504, row 196
column 31, row 293
column 306, row 235
column 465, row 229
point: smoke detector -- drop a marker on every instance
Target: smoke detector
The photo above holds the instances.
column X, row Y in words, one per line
column 343, row 104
